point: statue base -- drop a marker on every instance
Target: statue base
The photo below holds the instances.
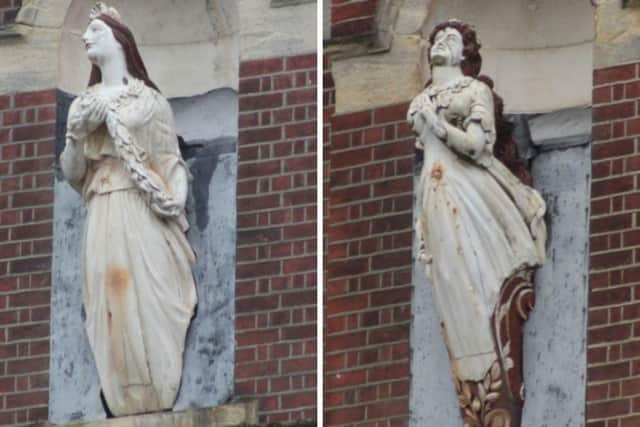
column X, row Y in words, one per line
column 497, row 401
column 219, row 416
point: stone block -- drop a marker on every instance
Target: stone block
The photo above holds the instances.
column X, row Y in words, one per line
column 222, row 416
column 562, row 128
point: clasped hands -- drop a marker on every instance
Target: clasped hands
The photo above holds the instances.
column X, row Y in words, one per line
column 424, row 118
column 92, row 114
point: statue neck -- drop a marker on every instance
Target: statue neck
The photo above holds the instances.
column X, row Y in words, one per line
column 442, row 75
column 114, row 71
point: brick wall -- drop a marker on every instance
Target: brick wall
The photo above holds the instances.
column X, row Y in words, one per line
column 8, row 11
column 276, row 272
column 368, row 289
column 350, row 18
column 613, row 354
column 26, row 213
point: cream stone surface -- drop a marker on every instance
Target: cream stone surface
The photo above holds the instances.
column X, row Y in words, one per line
column 193, row 51
column 29, row 63
column 43, row 13
column 411, row 16
column 267, row 32
column 528, row 82
column 536, row 64
column 190, row 47
column 368, row 81
column 617, row 34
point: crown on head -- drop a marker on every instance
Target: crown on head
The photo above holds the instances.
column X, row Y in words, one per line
column 102, row 9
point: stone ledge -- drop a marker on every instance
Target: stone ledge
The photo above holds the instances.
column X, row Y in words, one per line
column 234, row 414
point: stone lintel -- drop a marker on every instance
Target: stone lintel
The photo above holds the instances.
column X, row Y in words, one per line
column 561, row 129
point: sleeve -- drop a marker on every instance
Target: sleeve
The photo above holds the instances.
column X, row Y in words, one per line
column 482, row 114
column 167, row 160
column 72, row 160
column 475, row 138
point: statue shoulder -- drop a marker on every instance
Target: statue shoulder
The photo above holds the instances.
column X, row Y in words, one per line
column 481, row 89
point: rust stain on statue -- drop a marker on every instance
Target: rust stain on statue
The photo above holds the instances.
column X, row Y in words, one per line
column 437, row 171
column 117, row 281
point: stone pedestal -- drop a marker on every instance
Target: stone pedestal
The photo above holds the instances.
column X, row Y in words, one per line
column 220, row 416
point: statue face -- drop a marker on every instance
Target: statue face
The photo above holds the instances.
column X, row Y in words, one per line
column 100, row 42
column 447, row 47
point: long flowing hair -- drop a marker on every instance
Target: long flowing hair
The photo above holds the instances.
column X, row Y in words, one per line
column 504, row 148
column 135, row 65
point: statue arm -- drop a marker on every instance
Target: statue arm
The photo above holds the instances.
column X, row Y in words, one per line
column 168, row 162
column 469, row 143
column 72, row 160
column 475, row 138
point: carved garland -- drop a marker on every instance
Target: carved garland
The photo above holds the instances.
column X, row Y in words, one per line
column 132, row 155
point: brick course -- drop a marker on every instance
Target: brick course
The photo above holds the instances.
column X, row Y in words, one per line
column 276, row 272
column 26, row 228
column 613, row 340
column 368, row 285
column 353, row 18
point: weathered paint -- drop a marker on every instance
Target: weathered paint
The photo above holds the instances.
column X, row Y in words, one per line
column 555, row 334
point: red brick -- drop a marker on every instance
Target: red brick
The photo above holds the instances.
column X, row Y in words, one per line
column 261, row 66
column 357, row 27
column 28, row 99
column 34, row 132
column 344, row 416
column 351, row 121
column 602, row 95
column 260, row 102
column 613, row 74
column 388, row 408
column 613, row 149
column 608, row 409
column 393, row 113
column 617, row 111
column 301, row 62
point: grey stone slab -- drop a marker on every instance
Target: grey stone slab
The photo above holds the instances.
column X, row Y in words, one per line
column 227, row 415
column 209, row 116
column 207, row 377
column 210, row 345
column 555, row 334
column 74, row 390
column 562, row 128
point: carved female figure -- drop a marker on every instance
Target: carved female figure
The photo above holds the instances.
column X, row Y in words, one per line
column 480, row 227
column 122, row 155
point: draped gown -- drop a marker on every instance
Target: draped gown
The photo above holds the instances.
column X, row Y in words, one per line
column 138, row 289
column 477, row 222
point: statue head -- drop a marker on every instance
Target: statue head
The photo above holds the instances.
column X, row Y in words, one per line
column 108, row 35
column 454, row 43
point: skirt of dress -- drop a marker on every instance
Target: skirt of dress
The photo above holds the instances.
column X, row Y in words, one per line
column 477, row 239
column 139, row 296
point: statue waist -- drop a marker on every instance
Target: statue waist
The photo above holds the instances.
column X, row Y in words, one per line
column 107, row 175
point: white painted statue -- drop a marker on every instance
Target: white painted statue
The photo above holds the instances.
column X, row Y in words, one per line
column 122, row 155
column 479, row 224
